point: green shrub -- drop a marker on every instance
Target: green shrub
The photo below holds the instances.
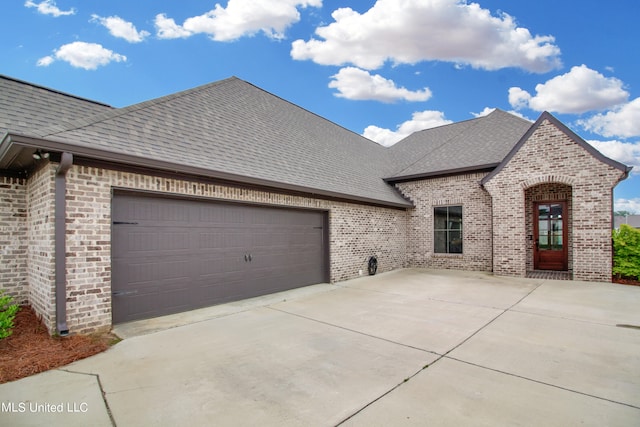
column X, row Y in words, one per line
column 626, row 252
column 8, row 312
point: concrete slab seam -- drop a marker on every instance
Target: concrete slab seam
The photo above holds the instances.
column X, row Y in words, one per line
column 397, row 343
column 494, row 319
column 440, row 356
column 540, row 382
column 102, row 392
column 353, row 330
column 387, row 392
column 572, row 319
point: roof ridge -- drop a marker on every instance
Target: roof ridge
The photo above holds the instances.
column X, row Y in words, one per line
column 443, row 143
column 119, row 112
column 312, row 112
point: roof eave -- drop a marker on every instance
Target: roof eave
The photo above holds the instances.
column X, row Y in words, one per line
column 17, row 140
column 446, row 172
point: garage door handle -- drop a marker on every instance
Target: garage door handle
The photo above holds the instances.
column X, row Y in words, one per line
column 247, row 257
column 123, row 293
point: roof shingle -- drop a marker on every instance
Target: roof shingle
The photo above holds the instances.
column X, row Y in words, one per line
column 476, row 143
column 231, row 129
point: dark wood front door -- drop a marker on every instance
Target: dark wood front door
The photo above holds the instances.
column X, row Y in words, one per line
column 550, row 234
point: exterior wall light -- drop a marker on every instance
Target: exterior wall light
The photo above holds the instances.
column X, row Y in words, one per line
column 39, row 154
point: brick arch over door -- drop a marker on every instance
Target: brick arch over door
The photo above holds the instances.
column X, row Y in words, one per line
column 547, row 179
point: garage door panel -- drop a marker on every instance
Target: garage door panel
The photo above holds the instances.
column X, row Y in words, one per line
column 172, row 255
column 221, row 238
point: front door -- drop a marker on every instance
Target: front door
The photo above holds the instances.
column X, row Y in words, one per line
column 550, row 234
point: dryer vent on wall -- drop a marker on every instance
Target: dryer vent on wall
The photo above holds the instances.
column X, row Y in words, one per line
column 372, row 265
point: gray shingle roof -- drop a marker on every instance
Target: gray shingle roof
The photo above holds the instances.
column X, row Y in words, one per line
column 241, row 132
column 25, row 107
column 233, row 130
column 481, row 142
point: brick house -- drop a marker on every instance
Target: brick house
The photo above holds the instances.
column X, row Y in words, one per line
column 225, row 191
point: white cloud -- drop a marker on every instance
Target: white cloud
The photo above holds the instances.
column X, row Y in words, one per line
column 118, row 27
column 629, row 205
column 45, row 61
column 581, row 89
column 623, row 121
column 356, row 84
column 240, row 18
column 83, row 55
column 48, row 7
column 627, row 153
column 519, row 98
column 420, row 120
column 410, row 31
column 168, row 29
column 485, row 112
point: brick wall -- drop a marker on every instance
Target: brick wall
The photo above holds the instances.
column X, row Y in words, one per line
column 551, row 156
column 13, row 238
column 463, row 190
column 355, row 233
column 41, row 243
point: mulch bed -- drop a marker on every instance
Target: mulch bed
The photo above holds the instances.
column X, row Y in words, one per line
column 30, row 349
column 626, row 280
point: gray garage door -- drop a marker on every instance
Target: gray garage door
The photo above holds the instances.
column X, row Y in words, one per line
column 172, row 255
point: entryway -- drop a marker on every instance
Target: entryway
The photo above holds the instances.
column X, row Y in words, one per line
column 549, row 216
column 550, row 236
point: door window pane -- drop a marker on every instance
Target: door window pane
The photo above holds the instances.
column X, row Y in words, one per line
column 550, row 227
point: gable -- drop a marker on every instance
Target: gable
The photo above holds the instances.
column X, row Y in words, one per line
column 549, row 145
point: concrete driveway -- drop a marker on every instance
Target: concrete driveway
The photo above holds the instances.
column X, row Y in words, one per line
column 408, row 347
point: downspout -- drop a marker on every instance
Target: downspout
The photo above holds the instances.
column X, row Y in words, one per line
column 60, row 243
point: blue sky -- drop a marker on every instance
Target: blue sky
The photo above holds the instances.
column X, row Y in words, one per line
column 380, row 68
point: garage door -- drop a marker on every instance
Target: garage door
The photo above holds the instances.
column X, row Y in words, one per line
column 172, row 255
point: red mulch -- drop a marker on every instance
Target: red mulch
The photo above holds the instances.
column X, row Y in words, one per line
column 30, row 349
column 626, row 281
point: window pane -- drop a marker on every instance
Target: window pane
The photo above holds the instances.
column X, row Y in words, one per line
column 440, row 242
column 440, row 218
column 455, row 242
column 543, row 241
column 543, row 226
column 543, row 211
column 455, row 217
